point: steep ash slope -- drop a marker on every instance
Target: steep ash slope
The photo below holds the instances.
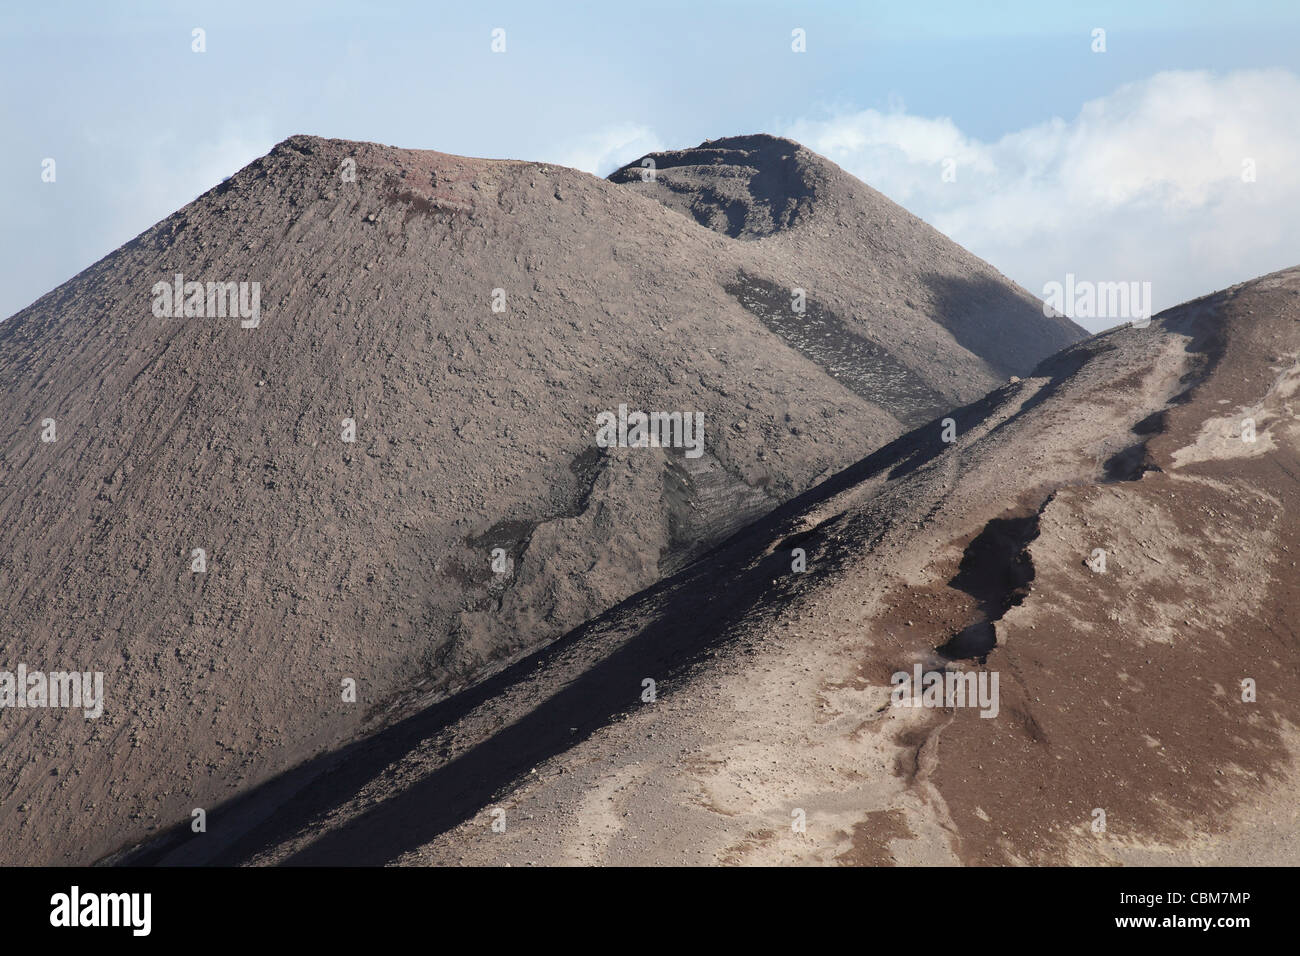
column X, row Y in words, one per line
column 1121, row 689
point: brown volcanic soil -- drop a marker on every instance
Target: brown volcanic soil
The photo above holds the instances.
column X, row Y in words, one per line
column 370, row 560
column 1119, row 690
column 1144, row 718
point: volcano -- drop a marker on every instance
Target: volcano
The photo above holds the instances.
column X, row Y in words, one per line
column 319, row 450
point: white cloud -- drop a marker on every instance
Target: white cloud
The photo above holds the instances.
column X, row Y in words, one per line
column 168, row 172
column 1143, row 184
column 602, row 152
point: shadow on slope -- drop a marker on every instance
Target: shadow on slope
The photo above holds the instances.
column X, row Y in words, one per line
column 746, row 574
column 990, row 319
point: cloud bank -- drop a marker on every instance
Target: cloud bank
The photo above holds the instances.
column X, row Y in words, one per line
column 1186, row 180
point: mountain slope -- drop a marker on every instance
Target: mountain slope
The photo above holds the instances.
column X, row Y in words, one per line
column 1121, row 689
column 326, row 560
column 891, row 277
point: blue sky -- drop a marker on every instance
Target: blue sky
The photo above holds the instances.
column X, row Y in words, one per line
column 1119, row 165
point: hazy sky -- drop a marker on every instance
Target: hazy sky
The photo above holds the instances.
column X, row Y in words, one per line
column 1122, row 165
